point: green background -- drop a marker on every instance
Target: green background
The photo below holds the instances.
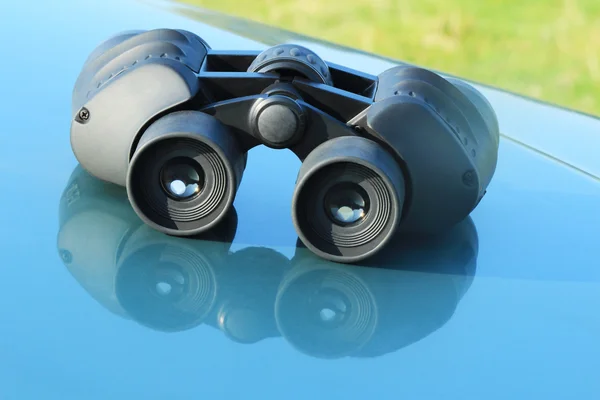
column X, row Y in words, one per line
column 546, row 49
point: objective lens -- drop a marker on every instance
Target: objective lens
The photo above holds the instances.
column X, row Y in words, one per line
column 182, row 178
column 346, row 203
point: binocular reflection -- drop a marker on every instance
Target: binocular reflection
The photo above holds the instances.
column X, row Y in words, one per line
column 321, row 308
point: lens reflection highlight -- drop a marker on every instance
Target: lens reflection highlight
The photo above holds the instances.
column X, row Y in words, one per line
column 347, row 203
column 182, row 178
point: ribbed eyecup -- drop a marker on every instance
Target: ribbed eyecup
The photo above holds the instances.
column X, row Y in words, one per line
column 361, row 162
column 215, row 187
column 205, row 143
column 375, row 220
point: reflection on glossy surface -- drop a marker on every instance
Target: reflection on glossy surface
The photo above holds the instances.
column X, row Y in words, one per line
column 323, row 309
column 331, row 310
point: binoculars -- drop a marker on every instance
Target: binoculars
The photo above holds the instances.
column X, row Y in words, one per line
column 172, row 120
column 250, row 294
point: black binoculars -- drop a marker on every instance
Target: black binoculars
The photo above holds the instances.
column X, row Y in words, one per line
column 172, row 120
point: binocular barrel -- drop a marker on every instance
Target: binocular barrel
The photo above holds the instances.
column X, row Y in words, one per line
column 172, row 120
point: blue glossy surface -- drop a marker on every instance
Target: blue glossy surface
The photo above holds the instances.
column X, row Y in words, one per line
column 523, row 324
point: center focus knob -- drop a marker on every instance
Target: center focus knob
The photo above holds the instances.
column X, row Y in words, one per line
column 279, row 121
column 291, row 60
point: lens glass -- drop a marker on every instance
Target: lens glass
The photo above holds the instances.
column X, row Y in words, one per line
column 346, row 203
column 182, row 178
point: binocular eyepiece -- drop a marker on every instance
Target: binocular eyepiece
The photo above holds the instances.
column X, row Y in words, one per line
column 172, row 120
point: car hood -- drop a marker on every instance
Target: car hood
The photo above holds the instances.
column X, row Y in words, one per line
column 96, row 305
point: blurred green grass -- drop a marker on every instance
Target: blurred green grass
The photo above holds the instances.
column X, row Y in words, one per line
column 546, row 49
